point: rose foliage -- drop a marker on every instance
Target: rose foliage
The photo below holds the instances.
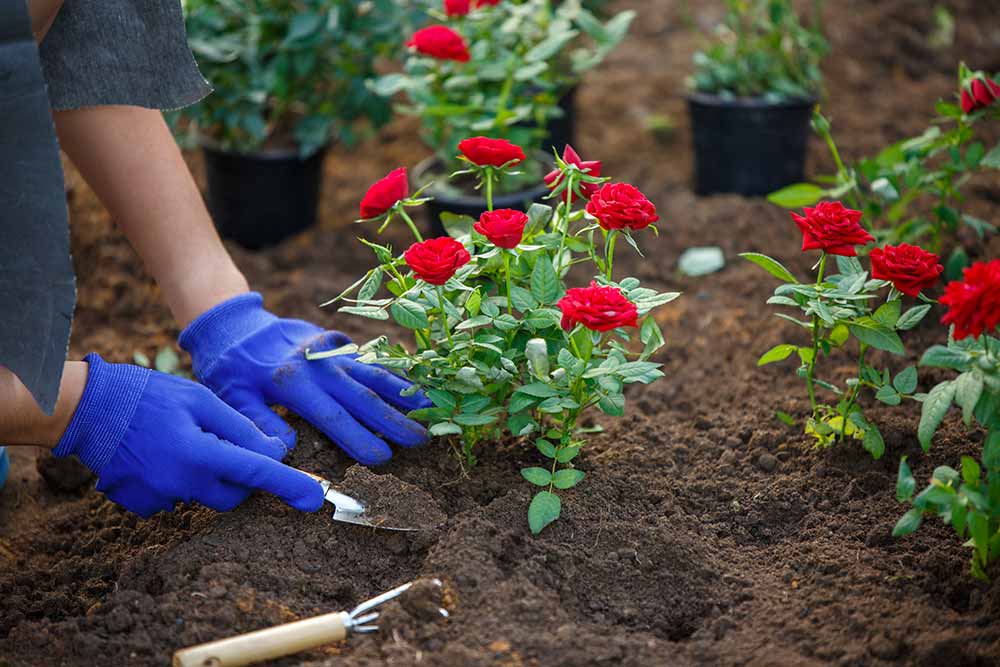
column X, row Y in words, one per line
column 500, row 345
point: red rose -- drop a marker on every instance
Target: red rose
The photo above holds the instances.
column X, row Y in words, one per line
column 570, row 156
column 484, row 3
column 439, row 41
column 979, row 94
column 620, row 206
column 908, row 267
column 384, row 193
column 504, row 227
column 974, row 302
column 457, row 7
column 493, row 152
column 437, row 260
column 599, row 308
column 831, row 228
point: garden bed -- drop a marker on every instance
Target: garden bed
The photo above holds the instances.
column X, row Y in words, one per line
column 707, row 532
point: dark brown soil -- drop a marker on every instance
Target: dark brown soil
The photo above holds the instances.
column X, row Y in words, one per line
column 390, row 501
column 705, row 533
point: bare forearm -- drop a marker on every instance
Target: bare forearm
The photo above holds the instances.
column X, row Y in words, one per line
column 22, row 422
column 43, row 13
column 129, row 158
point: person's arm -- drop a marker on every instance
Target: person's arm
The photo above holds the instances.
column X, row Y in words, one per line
column 43, row 13
column 22, row 422
column 129, row 158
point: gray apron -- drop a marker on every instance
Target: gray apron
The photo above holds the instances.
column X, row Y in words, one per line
column 97, row 52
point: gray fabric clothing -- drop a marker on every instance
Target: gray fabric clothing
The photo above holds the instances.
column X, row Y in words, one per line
column 37, row 287
column 133, row 52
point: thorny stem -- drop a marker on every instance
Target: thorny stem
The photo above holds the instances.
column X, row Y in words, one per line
column 811, row 372
column 444, row 315
column 409, row 223
column 609, row 253
column 506, row 270
column 566, row 207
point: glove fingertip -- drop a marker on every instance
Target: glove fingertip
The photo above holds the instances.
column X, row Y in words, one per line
column 311, row 500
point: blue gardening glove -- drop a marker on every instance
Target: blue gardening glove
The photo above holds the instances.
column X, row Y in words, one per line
column 252, row 359
column 154, row 439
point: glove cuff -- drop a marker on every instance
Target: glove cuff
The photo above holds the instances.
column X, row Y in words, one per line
column 221, row 327
column 104, row 413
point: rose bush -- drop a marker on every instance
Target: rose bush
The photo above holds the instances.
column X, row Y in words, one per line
column 840, row 306
column 502, row 348
column 439, row 41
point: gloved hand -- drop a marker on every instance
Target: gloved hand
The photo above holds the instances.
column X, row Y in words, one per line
column 153, row 440
column 251, row 358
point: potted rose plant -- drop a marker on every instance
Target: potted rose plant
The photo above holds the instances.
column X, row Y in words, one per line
column 497, row 69
column 289, row 78
column 504, row 350
column 751, row 95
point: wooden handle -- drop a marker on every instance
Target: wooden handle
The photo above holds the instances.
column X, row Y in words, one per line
column 265, row 644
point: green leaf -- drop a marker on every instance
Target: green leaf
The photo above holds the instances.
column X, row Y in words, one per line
column 933, row 411
column 912, row 317
column 456, row 226
column 550, row 46
column 873, row 442
column 905, row 484
column 567, row 478
column 968, row 389
column 772, row 266
column 877, row 336
column 613, row 405
column 445, row 428
column 473, row 322
column 979, row 529
column 908, row 523
column 442, row 399
column 304, row 24
column 474, row 420
column 166, row 361
column 371, row 284
column 409, row 314
column 970, row 470
column 888, row 395
column 545, row 285
column 991, row 451
column 939, row 356
column 543, row 510
column 473, row 302
column 797, row 195
column 141, row 359
column 992, row 158
column 537, row 476
column 906, row 381
column 547, row 449
column 522, row 299
column 888, row 313
column 537, row 389
column 777, row 353
column 567, row 454
column 839, row 334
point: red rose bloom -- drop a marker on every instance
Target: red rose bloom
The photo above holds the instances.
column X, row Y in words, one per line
column 974, row 302
column 384, row 193
column 437, row 260
column 908, row 267
column 831, row 228
column 504, row 227
column 981, row 93
column 620, row 206
column 439, row 41
column 599, row 308
column 457, row 7
column 490, row 152
column 570, row 156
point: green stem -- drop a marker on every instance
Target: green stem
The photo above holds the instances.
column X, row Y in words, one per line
column 409, row 223
column 444, row 315
column 489, row 188
column 811, row 372
column 609, row 253
column 506, row 270
column 566, row 208
column 854, row 393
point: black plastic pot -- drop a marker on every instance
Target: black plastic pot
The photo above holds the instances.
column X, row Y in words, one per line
column 460, row 203
column 259, row 199
column 748, row 145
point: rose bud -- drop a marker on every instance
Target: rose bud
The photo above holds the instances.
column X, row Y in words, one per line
column 908, row 267
column 439, row 41
column 457, row 7
column 599, row 308
column 437, row 260
column 621, row 206
column 503, row 227
column 570, row 156
column 383, row 194
column 974, row 302
column 485, row 151
column 979, row 94
column 830, row 227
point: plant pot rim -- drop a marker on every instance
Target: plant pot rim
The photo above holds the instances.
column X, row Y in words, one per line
column 756, row 102
column 276, row 154
column 423, row 169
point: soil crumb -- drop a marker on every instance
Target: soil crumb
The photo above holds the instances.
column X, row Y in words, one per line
column 391, row 501
column 65, row 475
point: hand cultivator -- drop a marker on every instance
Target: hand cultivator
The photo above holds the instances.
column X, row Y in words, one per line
column 290, row 638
